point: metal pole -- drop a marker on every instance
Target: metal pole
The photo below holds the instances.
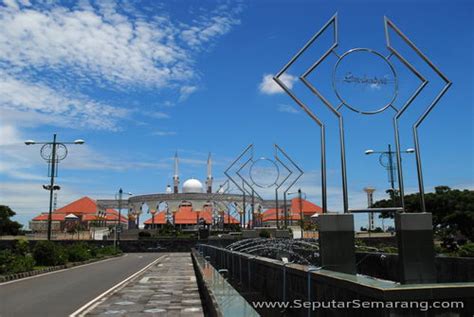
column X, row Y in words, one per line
column 119, row 223
column 276, row 209
column 244, row 205
column 253, row 210
column 392, row 177
column 343, row 166
column 285, row 212
column 301, row 212
column 51, row 185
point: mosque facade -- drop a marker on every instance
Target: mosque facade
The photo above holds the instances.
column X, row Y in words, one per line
column 195, row 203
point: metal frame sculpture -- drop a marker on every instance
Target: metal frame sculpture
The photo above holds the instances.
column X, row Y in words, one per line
column 298, row 176
column 335, row 109
column 224, row 188
column 276, row 183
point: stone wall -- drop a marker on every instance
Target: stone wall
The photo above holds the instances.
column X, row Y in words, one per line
column 385, row 266
column 275, row 281
column 152, row 245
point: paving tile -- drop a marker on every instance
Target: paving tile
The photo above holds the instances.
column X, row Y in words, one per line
column 167, row 289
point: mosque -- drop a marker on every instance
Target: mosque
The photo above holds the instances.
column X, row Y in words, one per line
column 194, row 204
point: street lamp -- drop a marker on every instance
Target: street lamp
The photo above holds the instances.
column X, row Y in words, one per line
column 119, row 196
column 386, row 160
column 53, row 152
column 300, row 193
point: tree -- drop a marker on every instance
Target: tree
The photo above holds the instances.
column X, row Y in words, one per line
column 8, row 226
column 452, row 209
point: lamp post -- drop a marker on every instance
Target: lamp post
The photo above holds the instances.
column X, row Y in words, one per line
column 53, row 152
column 119, row 196
column 386, row 160
column 300, row 193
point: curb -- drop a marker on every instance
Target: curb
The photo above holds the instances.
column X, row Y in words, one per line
column 16, row 276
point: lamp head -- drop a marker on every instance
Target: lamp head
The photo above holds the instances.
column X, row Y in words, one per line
column 410, row 150
column 367, row 152
column 79, row 141
column 29, row 142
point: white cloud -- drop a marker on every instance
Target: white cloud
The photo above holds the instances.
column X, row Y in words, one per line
column 287, row 108
column 163, row 133
column 269, row 87
column 209, row 27
column 49, row 53
column 8, row 135
column 46, row 105
column 185, row 92
column 106, row 44
column 158, row 115
column 37, row 200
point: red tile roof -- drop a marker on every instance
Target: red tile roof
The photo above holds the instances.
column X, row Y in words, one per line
column 188, row 216
column 308, row 209
column 54, row 217
column 85, row 208
column 84, row 205
column 112, row 215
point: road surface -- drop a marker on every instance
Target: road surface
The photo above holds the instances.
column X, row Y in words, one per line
column 61, row 293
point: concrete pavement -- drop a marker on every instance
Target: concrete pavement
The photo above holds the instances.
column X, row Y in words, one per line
column 168, row 288
column 63, row 292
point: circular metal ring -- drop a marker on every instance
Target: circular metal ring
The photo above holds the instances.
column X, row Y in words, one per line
column 47, row 152
column 384, row 159
column 392, row 68
column 253, row 174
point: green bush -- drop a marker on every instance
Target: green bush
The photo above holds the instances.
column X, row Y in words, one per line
column 109, row 250
column 22, row 263
column 467, row 250
column 21, row 247
column 94, row 251
column 6, row 257
column 11, row 263
column 264, row 234
column 78, row 252
column 48, row 253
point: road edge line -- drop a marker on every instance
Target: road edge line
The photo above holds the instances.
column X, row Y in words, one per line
column 84, row 309
column 62, row 270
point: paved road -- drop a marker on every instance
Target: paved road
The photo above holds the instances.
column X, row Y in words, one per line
column 60, row 294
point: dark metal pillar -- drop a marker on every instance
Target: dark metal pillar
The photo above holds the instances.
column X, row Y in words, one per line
column 51, row 186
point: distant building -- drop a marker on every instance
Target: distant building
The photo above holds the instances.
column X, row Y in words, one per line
column 83, row 212
column 186, row 217
column 293, row 213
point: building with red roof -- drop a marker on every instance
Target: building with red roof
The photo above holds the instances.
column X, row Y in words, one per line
column 296, row 208
column 83, row 212
column 186, row 217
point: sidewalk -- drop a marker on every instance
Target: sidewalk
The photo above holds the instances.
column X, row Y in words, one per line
column 167, row 289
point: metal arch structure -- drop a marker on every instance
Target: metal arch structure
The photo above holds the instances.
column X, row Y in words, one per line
column 276, row 184
column 224, row 188
column 298, row 176
column 335, row 109
column 447, row 84
column 306, row 108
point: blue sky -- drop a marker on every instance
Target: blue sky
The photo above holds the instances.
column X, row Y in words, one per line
column 140, row 80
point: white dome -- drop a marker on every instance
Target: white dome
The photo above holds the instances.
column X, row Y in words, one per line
column 192, row 186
